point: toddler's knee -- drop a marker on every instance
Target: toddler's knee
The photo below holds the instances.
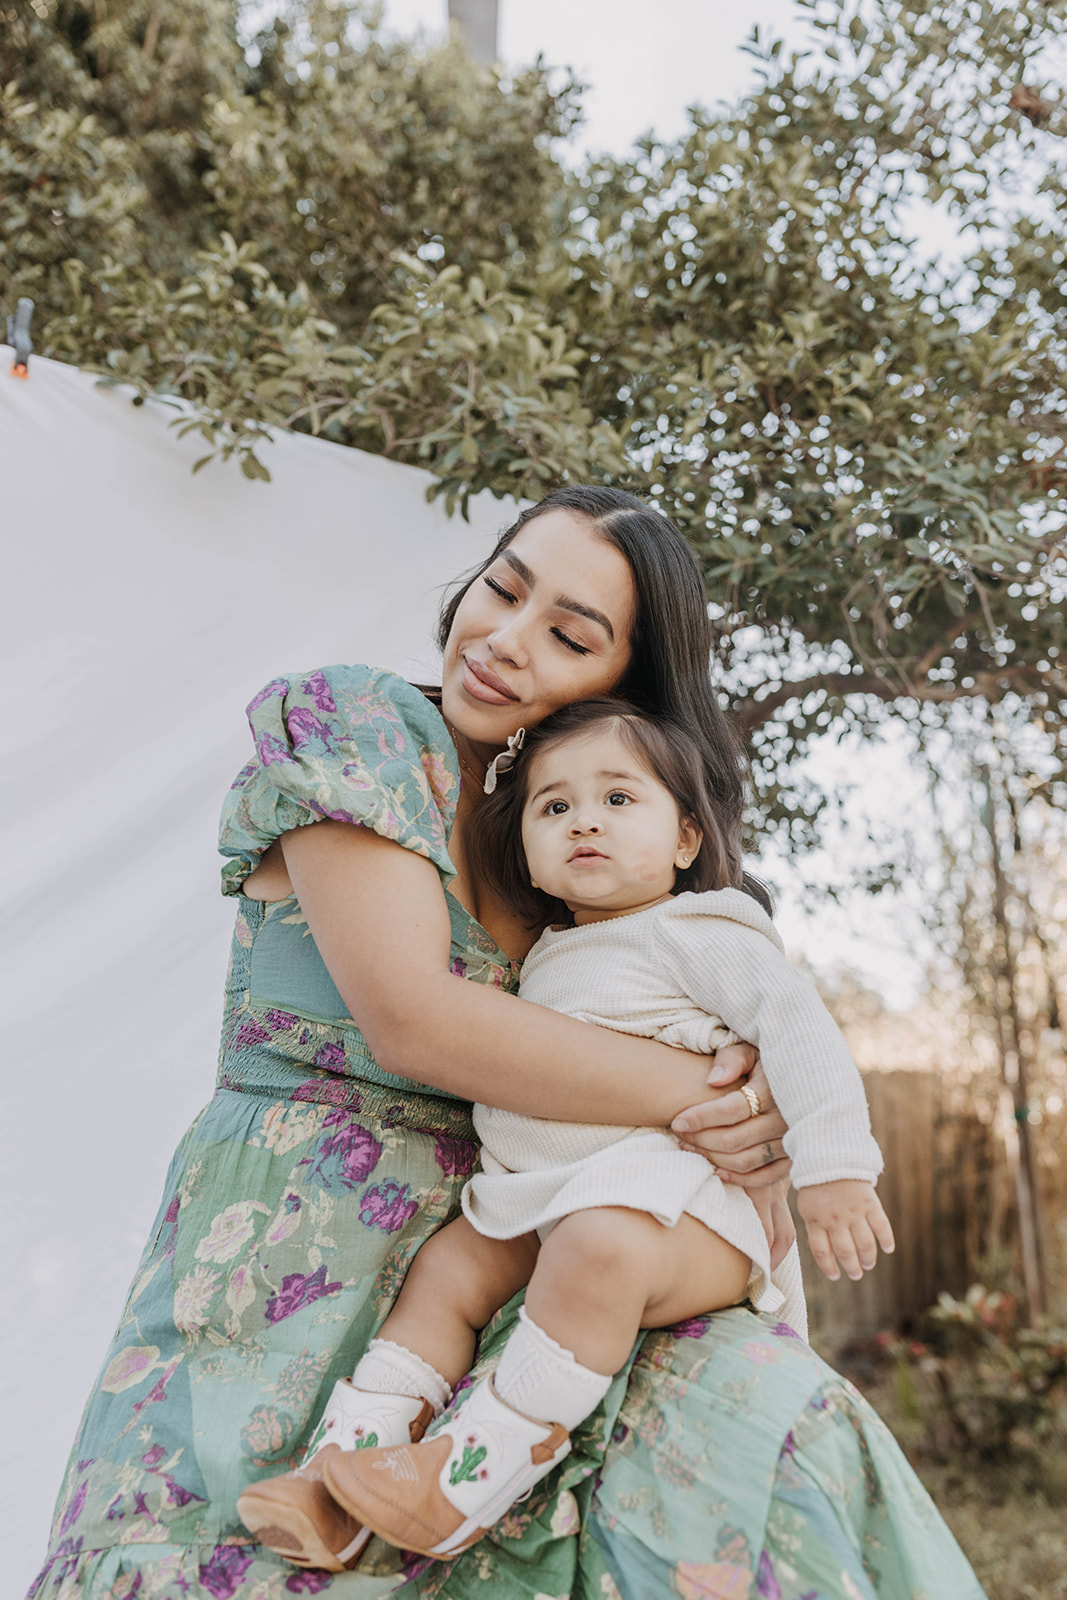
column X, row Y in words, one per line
column 603, row 1241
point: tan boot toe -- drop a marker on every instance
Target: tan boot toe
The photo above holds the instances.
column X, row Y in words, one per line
column 298, row 1517
column 396, row 1493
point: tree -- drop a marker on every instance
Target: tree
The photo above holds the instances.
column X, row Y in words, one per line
column 996, row 903
column 331, row 232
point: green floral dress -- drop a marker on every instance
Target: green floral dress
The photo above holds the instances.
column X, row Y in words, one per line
column 728, row 1461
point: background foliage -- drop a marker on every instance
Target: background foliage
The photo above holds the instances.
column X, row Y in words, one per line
column 327, row 230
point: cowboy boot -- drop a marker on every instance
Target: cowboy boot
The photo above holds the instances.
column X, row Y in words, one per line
column 440, row 1496
column 294, row 1514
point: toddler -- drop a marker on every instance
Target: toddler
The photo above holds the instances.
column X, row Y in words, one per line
column 611, row 1230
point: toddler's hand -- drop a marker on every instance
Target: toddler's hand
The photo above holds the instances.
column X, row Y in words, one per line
column 772, row 1208
column 845, row 1223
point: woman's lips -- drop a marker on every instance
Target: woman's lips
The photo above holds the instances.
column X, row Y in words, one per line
column 485, row 685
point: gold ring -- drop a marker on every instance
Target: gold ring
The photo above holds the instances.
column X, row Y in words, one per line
column 754, row 1107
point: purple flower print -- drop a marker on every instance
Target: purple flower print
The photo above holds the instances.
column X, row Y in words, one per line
column 767, row 1584
column 458, row 967
column 329, row 1094
column 331, row 1057
column 222, row 1574
column 694, row 1328
column 455, row 1157
column 74, row 1510
column 333, row 816
column 247, row 771
column 320, row 691
column 304, row 726
column 782, row 1330
column 277, row 688
column 272, row 750
column 179, row 1496
column 280, row 1021
column 170, row 1217
column 313, row 1582
column 346, row 1156
column 153, row 1457
column 387, row 1207
column 414, row 1566
column 252, row 1032
column 298, row 1290
column 113, row 1511
column 65, row 1559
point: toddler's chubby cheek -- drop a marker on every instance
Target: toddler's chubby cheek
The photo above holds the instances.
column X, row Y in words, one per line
column 648, row 869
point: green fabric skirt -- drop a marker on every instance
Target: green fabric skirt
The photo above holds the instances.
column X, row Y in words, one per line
column 728, row 1460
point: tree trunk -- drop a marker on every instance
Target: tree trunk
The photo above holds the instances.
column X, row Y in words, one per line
column 476, row 21
column 1013, row 1066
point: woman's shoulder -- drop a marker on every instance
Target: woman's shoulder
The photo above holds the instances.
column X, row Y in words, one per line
column 352, row 743
column 684, row 913
column 355, row 692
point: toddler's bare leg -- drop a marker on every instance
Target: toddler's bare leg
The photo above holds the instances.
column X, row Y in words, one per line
column 604, row 1274
column 456, row 1282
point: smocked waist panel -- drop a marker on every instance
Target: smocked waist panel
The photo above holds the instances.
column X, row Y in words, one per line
column 394, row 1105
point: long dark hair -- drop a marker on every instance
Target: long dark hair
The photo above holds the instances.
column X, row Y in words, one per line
column 669, row 677
column 662, row 747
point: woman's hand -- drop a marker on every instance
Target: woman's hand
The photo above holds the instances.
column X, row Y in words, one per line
column 744, row 1149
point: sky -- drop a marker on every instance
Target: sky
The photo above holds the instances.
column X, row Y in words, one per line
column 644, row 64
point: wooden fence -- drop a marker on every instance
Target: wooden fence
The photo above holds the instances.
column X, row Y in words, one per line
column 949, row 1197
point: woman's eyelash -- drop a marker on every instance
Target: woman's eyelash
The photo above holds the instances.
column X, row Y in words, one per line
column 572, row 644
column 498, row 588
column 564, row 638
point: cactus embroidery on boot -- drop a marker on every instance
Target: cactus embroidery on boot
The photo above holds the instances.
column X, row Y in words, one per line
column 465, row 1470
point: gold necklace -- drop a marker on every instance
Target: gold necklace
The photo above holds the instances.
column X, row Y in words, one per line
column 480, row 781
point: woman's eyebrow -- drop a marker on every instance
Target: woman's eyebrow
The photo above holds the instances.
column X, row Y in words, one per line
column 564, row 601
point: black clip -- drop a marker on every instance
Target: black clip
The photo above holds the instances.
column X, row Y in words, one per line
column 18, row 337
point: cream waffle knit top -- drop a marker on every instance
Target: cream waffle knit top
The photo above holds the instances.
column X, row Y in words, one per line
column 697, row 971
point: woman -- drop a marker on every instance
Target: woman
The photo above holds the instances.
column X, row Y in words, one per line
column 331, row 1151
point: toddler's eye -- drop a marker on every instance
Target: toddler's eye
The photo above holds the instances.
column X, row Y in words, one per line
column 618, row 798
column 556, row 808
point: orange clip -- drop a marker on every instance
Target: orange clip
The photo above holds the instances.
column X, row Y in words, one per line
column 20, row 370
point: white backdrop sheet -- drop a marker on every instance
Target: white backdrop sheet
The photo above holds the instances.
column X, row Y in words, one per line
column 142, row 608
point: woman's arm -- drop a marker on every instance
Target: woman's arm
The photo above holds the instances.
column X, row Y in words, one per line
column 380, row 920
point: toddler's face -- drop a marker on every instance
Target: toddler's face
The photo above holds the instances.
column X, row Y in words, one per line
column 600, row 832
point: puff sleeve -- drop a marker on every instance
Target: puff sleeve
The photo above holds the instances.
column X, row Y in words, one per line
column 352, row 743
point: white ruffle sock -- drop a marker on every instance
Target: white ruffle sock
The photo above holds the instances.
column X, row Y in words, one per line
column 389, row 1368
column 440, row 1496
column 391, row 1399
column 539, row 1378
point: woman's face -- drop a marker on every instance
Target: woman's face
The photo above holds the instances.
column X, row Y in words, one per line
column 549, row 622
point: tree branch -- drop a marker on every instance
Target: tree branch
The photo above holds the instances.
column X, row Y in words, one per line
column 753, row 714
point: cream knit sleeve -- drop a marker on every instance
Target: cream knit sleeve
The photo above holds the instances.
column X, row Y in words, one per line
column 725, row 954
